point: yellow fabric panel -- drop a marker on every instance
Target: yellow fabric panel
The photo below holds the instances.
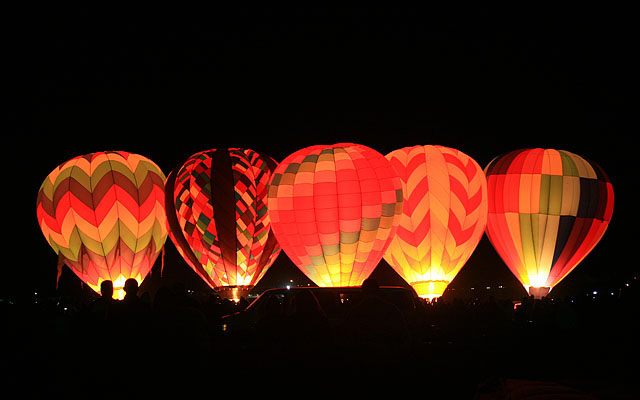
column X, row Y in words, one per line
column 570, row 195
column 513, row 227
column 110, row 241
column 524, row 197
column 548, row 245
column 528, row 250
column 457, row 208
column 419, row 214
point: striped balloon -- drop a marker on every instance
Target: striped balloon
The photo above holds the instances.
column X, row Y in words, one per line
column 216, row 208
column 103, row 214
column 547, row 210
column 443, row 218
column 334, row 209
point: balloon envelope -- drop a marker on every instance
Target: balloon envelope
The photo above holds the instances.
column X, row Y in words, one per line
column 443, row 218
column 103, row 214
column 547, row 210
column 334, row 209
column 216, row 209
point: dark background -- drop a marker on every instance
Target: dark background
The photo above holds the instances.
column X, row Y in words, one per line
column 166, row 83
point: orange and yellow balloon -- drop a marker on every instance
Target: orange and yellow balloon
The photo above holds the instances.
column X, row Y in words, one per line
column 547, row 210
column 334, row 209
column 443, row 218
column 103, row 214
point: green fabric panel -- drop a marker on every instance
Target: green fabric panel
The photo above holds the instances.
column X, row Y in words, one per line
column 91, row 244
column 555, row 195
column 370, row 224
column 275, row 181
column 317, row 260
column 75, row 243
column 127, row 237
column 81, row 177
column 292, row 168
column 399, row 197
column 122, row 168
column 111, row 240
column 349, row 237
column 528, row 249
column 203, row 221
column 535, row 234
column 388, row 210
column 568, row 165
column 330, row 250
column 544, row 194
column 311, row 158
column 99, row 173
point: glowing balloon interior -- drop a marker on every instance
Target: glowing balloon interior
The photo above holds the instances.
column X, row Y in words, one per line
column 547, row 210
column 103, row 214
column 334, row 209
column 443, row 219
column 216, row 209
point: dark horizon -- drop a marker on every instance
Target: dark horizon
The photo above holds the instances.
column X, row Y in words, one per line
column 279, row 81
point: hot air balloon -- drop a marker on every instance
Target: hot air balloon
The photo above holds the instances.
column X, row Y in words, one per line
column 216, row 209
column 334, row 209
column 103, row 214
column 547, row 210
column 443, row 218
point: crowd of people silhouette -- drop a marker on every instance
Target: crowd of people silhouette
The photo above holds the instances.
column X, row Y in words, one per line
column 176, row 336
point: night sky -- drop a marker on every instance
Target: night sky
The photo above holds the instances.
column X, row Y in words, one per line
column 167, row 83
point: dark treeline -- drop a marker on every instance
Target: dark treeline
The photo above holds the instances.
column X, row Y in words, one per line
column 146, row 344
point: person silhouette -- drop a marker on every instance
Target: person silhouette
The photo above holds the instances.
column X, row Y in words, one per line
column 134, row 321
column 131, row 290
column 133, row 310
column 101, row 309
column 106, row 289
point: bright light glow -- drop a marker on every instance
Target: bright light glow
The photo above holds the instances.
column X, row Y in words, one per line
column 430, row 289
column 538, row 279
column 118, row 285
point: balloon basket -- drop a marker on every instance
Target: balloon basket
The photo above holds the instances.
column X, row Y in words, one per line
column 430, row 289
column 234, row 293
column 539, row 292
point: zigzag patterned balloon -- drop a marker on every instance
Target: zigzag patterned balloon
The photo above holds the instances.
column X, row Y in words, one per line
column 216, row 208
column 103, row 214
column 443, row 218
